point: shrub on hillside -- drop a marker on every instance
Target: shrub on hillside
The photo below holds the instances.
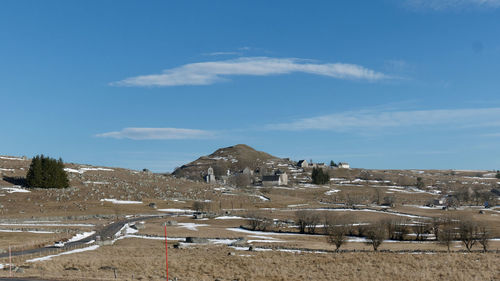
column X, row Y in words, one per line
column 46, row 172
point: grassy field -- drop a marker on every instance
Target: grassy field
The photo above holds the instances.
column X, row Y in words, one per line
column 36, row 217
column 146, row 262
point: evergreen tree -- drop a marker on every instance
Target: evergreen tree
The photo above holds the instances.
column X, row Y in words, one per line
column 319, row 176
column 332, row 164
column 498, row 175
column 46, row 172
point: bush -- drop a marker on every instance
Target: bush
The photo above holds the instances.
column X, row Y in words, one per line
column 46, row 172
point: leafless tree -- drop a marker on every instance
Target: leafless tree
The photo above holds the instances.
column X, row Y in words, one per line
column 397, row 229
column 435, row 226
column 257, row 222
column 199, row 206
column 241, row 180
column 301, row 218
column 468, row 231
column 337, row 229
column 307, row 220
column 484, row 236
column 376, row 233
column 313, row 220
column 420, row 228
column 447, row 231
column 389, row 201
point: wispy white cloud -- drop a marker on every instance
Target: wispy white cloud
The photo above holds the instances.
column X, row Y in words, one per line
column 206, row 73
column 452, row 4
column 371, row 120
column 157, row 134
column 222, row 53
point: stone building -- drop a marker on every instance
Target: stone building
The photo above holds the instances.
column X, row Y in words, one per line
column 278, row 179
column 210, row 177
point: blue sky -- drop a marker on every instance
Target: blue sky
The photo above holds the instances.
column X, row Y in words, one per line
column 155, row 84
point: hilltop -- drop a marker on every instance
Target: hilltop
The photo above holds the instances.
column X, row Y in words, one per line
column 233, row 158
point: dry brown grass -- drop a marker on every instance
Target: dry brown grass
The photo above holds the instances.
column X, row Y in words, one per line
column 144, row 260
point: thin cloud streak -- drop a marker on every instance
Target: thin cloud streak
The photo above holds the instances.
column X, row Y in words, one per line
column 158, row 134
column 206, row 73
column 222, row 53
column 452, row 4
column 367, row 120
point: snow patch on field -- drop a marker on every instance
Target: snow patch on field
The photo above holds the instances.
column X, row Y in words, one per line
column 263, row 198
column 262, row 233
column 47, row 224
column 96, row 182
column 115, row 201
column 175, row 210
column 15, row 189
column 29, row 231
column 7, row 170
column 80, row 236
column 332, row 191
column 10, row 158
column 83, row 170
column 190, row 225
column 229, row 218
column 47, row 258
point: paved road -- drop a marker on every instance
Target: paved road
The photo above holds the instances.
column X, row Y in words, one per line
column 107, row 232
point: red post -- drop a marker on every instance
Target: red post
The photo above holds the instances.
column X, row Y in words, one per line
column 166, row 250
column 10, row 262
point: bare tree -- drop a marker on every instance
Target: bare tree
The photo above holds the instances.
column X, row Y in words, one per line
column 397, row 229
column 313, row 219
column 484, row 236
column 468, row 233
column 241, row 180
column 258, row 222
column 435, row 226
column 337, row 230
column 301, row 217
column 307, row 220
column 376, row 233
column 199, row 206
column 447, row 231
column 420, row 228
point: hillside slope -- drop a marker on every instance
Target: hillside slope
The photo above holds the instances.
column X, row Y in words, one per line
column 233, row 158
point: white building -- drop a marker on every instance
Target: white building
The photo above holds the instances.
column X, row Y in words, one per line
column 343, row 165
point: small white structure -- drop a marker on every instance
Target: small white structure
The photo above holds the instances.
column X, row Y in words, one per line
column 343, row 165
column 210, row 177
column 302, row 164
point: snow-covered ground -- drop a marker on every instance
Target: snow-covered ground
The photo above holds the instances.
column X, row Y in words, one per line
column 83, row 170
column 96, row 182
column 46, row 258
column 115, row 201
column 29, row 231
column 190, row 225
column 47, row 224
column 15, row 189
column 332, row 191
column 7, row 170
column 261, row 197
column 176, row 210
column 10, row 158
column 230, row 218
column 80, row 236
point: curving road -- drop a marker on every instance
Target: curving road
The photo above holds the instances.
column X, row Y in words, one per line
column 106, row 233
